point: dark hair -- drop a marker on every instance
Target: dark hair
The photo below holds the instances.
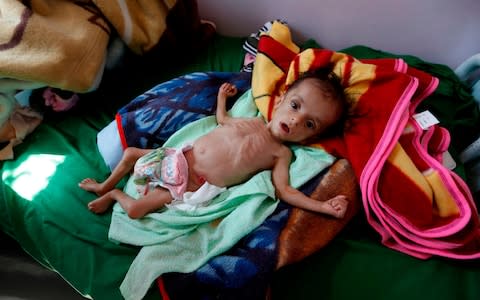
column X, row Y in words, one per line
column 332, row 86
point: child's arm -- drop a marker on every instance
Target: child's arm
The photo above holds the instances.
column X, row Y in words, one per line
column 226, row 90
column 335, row 206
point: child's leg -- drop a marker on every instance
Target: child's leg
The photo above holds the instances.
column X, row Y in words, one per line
column 135, row 209
column 126, row 164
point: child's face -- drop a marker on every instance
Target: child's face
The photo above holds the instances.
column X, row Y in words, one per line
column 303, row 112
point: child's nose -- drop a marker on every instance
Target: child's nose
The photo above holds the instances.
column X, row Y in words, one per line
column 295, row 120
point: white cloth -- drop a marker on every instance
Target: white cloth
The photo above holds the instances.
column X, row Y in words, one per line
column 199, row 198
column 110, row 145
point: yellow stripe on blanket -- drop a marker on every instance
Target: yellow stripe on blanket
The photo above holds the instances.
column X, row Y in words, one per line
column 444, row 202
column 402, row 161
column 361, row 76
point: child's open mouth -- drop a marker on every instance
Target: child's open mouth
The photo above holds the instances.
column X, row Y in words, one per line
column 285, row 127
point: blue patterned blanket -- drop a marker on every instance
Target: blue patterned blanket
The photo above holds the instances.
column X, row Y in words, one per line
column 149, row 119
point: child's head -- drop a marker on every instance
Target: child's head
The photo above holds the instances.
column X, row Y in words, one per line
column 314, row 105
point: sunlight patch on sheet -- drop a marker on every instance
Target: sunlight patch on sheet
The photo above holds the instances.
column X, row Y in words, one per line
column 32, row 175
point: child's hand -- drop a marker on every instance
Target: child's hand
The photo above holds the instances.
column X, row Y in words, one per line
column 227, row 90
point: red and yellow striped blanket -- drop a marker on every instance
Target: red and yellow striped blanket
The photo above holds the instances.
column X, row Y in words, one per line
column 410, row 198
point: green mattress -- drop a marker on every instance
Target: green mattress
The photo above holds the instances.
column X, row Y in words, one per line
column 42, row 207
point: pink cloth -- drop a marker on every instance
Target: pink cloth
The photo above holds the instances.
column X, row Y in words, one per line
column 165, row 167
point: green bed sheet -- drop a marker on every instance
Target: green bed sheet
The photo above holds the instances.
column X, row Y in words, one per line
column 43, row 209
column 41, row 205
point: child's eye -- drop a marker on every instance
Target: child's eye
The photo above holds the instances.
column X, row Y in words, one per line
column 293, row 105
column 310, row 124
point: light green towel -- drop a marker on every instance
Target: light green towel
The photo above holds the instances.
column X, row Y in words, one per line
column 182, row 241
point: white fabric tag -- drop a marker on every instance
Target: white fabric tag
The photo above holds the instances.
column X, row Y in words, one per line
column 425, row 119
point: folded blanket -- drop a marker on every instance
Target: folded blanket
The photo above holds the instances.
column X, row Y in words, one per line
column 152, row 117
column 182, row 241
column 63, row 43
column 451, row 102
column 433, row 212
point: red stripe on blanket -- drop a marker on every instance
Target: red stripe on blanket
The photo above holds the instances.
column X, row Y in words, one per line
column 162, row 289
column 121, row 133
column 271, row 101
column 321, row 58
column 280, row 55
column 419, row 214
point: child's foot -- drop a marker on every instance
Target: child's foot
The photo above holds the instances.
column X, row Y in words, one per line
column 101, row 204
column 91, row 185
column 337, row 206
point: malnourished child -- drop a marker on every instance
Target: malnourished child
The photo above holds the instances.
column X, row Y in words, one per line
column 231, row 153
